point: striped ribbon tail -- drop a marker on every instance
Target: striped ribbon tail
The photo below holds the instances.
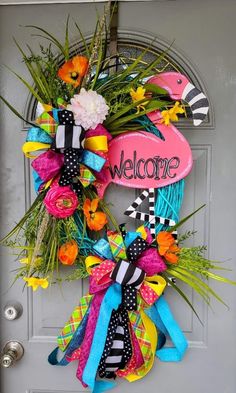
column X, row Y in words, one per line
column 118, row 349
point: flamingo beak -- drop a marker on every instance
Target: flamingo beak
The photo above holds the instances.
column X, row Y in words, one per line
column 197, row 101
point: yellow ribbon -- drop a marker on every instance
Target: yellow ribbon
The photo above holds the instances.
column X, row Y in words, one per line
column 151, row 333
column 157, row 283
column 96, row 143
column 91, row 261
column 29, row 147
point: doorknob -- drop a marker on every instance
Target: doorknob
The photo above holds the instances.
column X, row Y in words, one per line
column 12, row 352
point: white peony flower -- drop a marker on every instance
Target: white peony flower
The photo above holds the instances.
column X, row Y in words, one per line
column 89, row 108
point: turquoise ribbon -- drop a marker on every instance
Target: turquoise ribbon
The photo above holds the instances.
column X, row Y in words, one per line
column 162, row 317
column 36, row 134
column 102, row 248
column 55, row 114
column 130, row 237
column 111, row 301
column 92, row 160
column 37, row 181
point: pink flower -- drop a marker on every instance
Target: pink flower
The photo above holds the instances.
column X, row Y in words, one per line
column 61, row 202
column 89, row 108
column 151, row 262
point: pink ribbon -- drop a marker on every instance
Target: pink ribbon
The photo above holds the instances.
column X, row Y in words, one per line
column 89, row 333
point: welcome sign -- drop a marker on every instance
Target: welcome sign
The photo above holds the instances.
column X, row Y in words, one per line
column 142, row 160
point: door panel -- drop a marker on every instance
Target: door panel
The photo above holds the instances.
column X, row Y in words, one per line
column 210, row 363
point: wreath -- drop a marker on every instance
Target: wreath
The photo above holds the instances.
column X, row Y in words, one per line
column 93, row 128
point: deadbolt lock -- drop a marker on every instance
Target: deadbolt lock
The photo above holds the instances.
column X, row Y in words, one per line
column 13, row 311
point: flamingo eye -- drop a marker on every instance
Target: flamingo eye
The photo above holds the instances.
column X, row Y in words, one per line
column 179, row 81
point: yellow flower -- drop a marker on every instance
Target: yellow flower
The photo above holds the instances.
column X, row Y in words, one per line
column 26, row 260
column 138, row 95
column 35, row 282
column 171, row 114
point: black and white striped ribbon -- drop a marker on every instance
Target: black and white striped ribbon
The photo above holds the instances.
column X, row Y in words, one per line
column 125, row 273
column 118, row 348
column 151, row 218
column 197, row 101
column 68, row 140
column 68, row 135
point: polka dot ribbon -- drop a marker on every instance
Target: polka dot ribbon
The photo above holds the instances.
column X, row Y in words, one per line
column 118, row 348
column 68, row 139
column 129, row 292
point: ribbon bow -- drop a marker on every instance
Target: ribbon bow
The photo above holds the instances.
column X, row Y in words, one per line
column 131, row 277
column 62, row 140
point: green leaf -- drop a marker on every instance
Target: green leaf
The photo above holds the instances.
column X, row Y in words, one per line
column 15, row 111
column 155, row 89
column 35, row 75
column 83, row 40
column 200, row 282
column 66, row 45
column 190, row 283
column 219, row 278
column 29, row 87
column 133, row 116
column 182, row 294
column 23, row 220
column 49, row 37
column 181, row 222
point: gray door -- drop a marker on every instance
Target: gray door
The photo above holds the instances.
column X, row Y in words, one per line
column 205, row 49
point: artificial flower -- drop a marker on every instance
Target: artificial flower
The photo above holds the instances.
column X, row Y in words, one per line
column 73, row 70
column 89, row 108
column 167, row 247
column 68, row 252
column 95, row 220
column 171, row 114
column 35, row 282
column 27, row 261
column 61, row 202
column 138, row 95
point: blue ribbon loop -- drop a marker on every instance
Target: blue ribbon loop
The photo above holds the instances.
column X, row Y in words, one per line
column 36, row 134
column 102, row 249
column 92, row 160
column 162, row 317
column 111, row 301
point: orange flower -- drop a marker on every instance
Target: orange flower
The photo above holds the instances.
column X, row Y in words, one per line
column 73, row 70
column 68, row 252
column 167, row 247
column 95, row 220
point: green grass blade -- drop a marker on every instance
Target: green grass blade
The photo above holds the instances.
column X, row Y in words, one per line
column 85, row 45
column 182, row 294
column 29, row 87
column 15, row 111
column 199, row 282
column 155, row 89
column 219, row 278
column 190, row 283
column 126, row 119
column 49, row 37
column 66, row 45
column 181, row 222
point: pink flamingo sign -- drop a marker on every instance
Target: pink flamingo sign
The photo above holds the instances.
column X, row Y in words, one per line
column 142, row 160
